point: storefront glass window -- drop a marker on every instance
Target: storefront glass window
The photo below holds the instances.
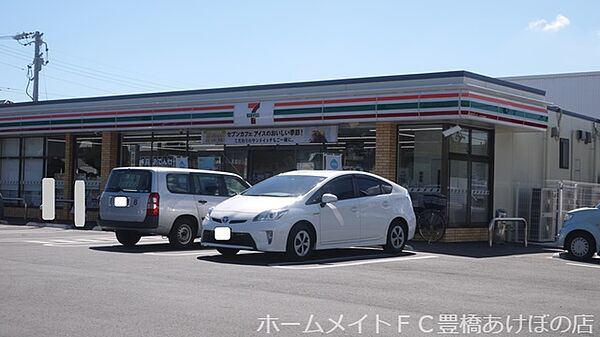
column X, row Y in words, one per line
column 459, row 142
column 55, row 163
column 203, row 154
column 9, row 167
column 34, row 147
column 480, row 193
column 88, row 158
column 33, row 170
column 420, row 165
column 479, row 143
column 184, row 149
column 10, row 147
column 136, row 150
column 356, row 144
column 458, row 188
column 236, row 161
column 25, row 161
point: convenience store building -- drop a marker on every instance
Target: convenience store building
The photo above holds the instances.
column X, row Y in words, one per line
column 457, row 140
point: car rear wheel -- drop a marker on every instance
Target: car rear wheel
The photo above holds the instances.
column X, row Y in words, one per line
column 228, row 251
column 396, row 238
column 183, row 233
column 581, row 246
column 300, row 242
column 128, row 238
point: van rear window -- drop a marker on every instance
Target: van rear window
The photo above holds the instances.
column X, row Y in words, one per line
column 134, row 181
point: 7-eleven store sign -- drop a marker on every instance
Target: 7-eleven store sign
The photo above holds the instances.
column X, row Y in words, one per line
column 254, row 113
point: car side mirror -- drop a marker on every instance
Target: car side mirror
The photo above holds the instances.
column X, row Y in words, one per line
column 328, row 198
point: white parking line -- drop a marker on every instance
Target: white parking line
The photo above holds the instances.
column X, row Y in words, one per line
column 583, row 265
column 86, row 241
column 196, row 253
column 348, row 264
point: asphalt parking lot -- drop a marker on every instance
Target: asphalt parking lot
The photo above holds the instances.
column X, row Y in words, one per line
column 57, row 282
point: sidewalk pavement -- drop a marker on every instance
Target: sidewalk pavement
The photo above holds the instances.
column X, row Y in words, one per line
column 90, row 225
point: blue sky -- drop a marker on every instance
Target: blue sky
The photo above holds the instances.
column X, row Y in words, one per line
column 118, row 47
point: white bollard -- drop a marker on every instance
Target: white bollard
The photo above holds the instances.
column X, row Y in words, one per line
column 79, row 203
column 48, row 199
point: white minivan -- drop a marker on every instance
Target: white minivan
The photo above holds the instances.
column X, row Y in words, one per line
column 140, row 201
column 301, row 211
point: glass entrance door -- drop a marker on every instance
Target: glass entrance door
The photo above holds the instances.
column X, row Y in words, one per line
column 469, row 170
column 458, row 190
column 468, row 193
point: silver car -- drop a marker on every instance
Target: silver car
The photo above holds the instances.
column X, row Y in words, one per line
column 140, row 201
column 580, row 234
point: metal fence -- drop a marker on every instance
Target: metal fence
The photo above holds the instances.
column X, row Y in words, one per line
column 545, row 207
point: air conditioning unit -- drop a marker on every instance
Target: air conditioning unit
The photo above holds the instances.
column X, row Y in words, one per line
column 542, row 221
column 554, row 132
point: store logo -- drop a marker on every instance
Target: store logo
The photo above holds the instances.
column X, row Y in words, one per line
column 253, row 114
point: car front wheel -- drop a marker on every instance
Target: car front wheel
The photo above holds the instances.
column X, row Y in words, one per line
column 581, row 246
column 300, row 242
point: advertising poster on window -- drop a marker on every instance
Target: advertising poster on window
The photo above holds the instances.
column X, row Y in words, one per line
column 281, row 136
column 333, row 161
column 164, row 161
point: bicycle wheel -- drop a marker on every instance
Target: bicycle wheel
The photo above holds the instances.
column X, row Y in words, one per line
column 432, row 225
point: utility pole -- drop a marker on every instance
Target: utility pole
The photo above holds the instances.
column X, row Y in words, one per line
column 38, row 61
column 38, row 58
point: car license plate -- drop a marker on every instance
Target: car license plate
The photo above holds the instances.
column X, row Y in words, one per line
column 222, row 233
column 120, row 201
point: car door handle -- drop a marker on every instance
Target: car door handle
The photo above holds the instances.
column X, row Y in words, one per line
column 354, row 209
column 386, row 204
column 202, row 202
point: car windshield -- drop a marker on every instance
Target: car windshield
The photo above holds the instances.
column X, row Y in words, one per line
column 284, row 186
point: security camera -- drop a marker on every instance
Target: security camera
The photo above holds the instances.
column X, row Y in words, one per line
column 449, row 132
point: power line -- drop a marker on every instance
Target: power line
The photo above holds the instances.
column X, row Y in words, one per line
column 122, row 70
column 12, row 66
column 14, row 50
column 120, row 77
column 100, row 77
column 81, row 84
column 17, row 56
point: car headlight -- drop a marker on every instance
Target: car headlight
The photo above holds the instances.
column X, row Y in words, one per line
column 209, row 210
column 270, row 215
column 567, row 217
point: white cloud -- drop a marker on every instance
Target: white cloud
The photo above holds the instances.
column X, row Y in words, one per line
column 542, row 25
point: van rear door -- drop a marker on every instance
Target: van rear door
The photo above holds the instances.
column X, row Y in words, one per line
column 125, row 197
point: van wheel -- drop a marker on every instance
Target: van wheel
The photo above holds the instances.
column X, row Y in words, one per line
column 183, row 233
column 128, row 238
column 580, row 246
column 300, row 242
column 229, row 252
column 396, row 238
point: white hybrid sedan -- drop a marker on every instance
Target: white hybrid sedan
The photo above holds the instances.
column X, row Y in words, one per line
column 300, row 211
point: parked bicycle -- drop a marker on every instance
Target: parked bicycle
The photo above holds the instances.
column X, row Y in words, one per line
column 431, row 225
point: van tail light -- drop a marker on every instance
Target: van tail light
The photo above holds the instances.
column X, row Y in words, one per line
column 153, row 204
